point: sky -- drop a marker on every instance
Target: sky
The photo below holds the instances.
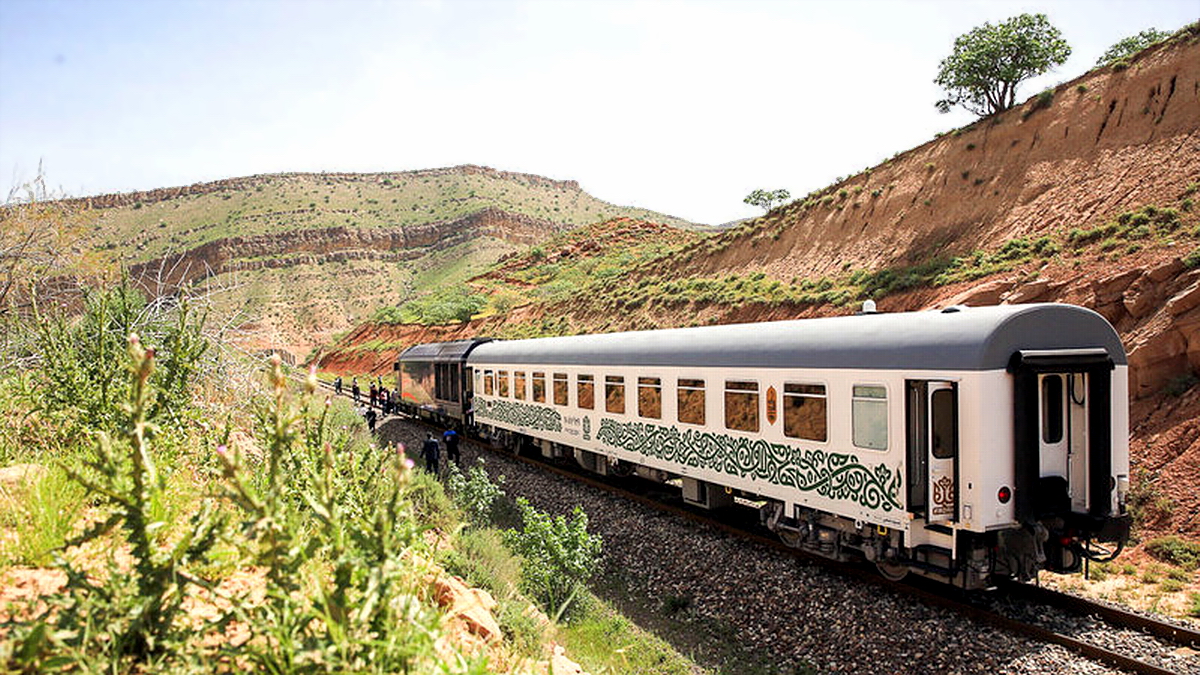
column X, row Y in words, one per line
column 683, row 107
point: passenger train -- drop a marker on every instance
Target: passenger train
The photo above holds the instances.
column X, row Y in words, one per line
column 967, row 445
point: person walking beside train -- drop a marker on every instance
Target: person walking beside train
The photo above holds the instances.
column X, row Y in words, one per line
column 450, row 437
column 354, row 388
column 430, row 452
column 337, row 385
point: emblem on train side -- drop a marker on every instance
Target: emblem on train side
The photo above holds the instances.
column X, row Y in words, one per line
column 943, row 496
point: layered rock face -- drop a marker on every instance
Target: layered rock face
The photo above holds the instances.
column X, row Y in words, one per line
column 337, row 244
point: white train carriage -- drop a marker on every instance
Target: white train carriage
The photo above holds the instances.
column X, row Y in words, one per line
column 965, row 444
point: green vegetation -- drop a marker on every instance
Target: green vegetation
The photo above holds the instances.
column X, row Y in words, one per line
column 989, row 62
column 445, row 305
column 1175, row 551
column 767, row 199
column 268, row 535
column 292, row 202
column 1125, row 48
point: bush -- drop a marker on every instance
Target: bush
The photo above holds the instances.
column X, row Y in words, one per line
column 475, row 493
column 82, row 364
column 1175, row 551
column 560, row 556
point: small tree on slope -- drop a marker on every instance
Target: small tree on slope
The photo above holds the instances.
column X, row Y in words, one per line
column 987, row 64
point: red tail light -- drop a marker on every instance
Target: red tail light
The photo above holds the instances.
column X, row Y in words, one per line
column 1004, row 494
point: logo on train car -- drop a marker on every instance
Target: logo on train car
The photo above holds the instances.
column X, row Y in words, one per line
column 771, row 405
column 943, row 496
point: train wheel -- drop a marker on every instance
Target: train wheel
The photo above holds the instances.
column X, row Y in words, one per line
column 892, row 571
column 789, row 537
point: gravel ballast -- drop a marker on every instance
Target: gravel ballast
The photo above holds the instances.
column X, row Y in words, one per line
column 784, row 611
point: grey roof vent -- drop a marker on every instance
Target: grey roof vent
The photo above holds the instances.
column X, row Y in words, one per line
column 954, row 309
column 869, row 308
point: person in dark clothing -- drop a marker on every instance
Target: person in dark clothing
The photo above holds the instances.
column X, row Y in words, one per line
column 354, row 388
column 374, row 393
column 430, row 452
column 451, row 439
column 337, row 385
column 371, row 418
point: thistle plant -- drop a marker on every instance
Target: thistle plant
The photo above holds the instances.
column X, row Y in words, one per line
column 336, row 535
column 125, row 614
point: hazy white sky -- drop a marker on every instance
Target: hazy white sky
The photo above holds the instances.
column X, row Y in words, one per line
column 682, row 107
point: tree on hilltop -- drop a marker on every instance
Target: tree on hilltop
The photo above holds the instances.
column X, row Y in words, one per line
column 767, row 199
column 1131, row 45
column 987, row 64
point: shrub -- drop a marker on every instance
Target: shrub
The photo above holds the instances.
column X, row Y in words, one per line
column 130, row 613
column 1192, row 260
column 83, row 370
column 475, row 493
column 1181, row 384
column 1175, row 551
column 560, row 556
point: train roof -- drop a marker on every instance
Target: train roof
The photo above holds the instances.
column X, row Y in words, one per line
column 958, row 338
column 442, row 352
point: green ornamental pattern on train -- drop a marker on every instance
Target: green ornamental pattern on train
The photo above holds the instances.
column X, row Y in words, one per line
column 966, row 445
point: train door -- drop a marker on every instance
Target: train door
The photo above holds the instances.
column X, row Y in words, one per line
column 932, row 412
column 1063, row 437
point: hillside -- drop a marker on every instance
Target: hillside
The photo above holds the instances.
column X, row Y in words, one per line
column 1084, row 195
column 297, row 258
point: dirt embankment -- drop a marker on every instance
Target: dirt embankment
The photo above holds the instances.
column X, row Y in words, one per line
column 1108, row 141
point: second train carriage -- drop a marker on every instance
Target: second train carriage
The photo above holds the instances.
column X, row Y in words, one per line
column 966, row 445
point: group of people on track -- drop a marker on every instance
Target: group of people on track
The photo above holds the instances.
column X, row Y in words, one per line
column 385, row 399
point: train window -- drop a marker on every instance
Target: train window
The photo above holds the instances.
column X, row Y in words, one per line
column 489, row 383
column 560, row 389
column 539, row 387
column 650, row 397
column 944, row 436
column 869, row 417
column 519, row 385
column 690, row 397
column 741, row 405
column 1052, row 408
column 585, row 386
column 502, row 383
column 805, row 412
column 614, row 394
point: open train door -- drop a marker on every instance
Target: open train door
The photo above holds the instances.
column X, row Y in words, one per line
column 943, row 452
column 932, row 411
column 1063, row 437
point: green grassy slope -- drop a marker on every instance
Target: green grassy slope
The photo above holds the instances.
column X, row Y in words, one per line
column 264, row 205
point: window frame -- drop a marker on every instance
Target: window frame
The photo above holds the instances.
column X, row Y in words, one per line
column 856, row 399
column 614, row 382
column 588, row 380
column 565, row 380
column 824, row 397
column 519, row 385
column 679, row 404
column 536, row 379
column 652, row 384
column 756, row 393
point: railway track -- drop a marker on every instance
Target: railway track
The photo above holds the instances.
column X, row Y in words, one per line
column 1168, row 636
column 1144, row 645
